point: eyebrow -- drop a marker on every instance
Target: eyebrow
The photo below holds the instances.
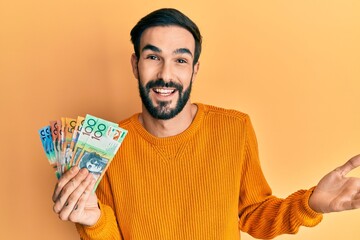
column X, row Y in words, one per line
column 151, row 47
column 156, row 49
column 182, row 50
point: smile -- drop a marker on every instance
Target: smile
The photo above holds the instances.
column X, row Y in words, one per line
column 164, row 91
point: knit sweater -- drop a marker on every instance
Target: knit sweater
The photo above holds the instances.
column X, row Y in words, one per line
column 205, row 183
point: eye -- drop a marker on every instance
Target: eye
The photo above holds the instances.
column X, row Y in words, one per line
column 152, row 57
column 181, row 60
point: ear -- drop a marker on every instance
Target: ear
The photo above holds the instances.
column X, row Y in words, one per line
column 134, row 64
column 196, row 69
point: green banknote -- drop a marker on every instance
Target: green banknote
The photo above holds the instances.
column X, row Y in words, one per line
column 100, row 148
column 91, row 125
column 87, row 129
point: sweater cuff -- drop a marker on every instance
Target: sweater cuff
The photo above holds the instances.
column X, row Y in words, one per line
column 103, row 228
column 312, row 217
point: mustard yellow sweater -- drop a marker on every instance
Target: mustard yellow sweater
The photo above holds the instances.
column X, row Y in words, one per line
column 205, row 183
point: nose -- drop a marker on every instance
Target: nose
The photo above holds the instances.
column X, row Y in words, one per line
column 165, row 72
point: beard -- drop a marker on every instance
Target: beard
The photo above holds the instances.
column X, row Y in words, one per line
column 163, row 110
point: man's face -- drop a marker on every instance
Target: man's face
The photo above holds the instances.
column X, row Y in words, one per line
column 165, row 70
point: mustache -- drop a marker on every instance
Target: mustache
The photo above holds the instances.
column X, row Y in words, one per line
column 161, row 83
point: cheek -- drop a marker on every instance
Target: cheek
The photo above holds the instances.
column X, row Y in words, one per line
column 185, row 76
column 146, row 74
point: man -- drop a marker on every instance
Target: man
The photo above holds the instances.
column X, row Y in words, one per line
column 188, row 171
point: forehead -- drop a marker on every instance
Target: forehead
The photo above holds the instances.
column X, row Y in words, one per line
column 168, row 38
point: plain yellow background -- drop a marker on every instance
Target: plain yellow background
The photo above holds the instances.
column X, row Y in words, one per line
column 293, row 66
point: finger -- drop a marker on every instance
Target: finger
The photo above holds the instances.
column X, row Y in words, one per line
column 68, row 189
column 354, row 162
column 79, row 207
column 354, row 204
column 63, row 181
column 72, row 200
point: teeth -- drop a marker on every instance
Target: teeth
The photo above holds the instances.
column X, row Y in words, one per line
column 164, row 91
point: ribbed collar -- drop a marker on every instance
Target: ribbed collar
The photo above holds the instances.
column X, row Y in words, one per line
column 177, row 139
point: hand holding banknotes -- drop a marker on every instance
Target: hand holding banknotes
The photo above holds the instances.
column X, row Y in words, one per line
column 74, row 199
column 80, row 150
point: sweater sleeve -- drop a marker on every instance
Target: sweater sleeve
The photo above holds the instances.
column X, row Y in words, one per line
column 261, row 214
column 107, row 226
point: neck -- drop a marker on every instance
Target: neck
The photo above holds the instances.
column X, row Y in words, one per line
column 170, row 127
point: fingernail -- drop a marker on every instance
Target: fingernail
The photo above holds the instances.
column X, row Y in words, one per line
column 55, row 209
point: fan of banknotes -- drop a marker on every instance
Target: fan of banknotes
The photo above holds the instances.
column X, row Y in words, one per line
column 88, row 142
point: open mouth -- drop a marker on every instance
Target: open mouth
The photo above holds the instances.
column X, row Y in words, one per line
column 164, row 91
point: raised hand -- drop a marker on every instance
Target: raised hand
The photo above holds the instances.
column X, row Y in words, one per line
column 73, row 197
column 335, row 192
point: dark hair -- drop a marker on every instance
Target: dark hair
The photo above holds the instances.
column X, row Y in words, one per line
column 166, row 17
